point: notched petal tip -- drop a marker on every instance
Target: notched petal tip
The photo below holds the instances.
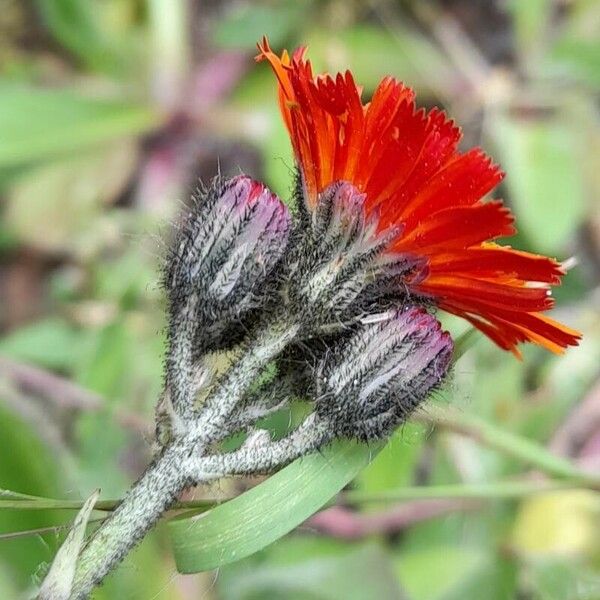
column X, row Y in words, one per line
column 406, row 161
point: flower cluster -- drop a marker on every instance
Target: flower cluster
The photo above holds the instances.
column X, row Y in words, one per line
column 338, row 299
column 415, row 181
column 390, row 225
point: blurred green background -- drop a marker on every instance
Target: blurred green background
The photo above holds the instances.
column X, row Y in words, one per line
column 110, row 110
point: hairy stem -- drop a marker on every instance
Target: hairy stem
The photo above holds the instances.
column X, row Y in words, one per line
column 311, row 435
column 178, row 467
column 142, row 507
column 217, row 409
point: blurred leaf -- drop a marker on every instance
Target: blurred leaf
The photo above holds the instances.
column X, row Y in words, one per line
column 560, row 579
column 248, row 22
column 507, row 442
column 105, row 365
column 51, row 343
column 578, row 47
column 395, row 465
column 279, row 164
column 373, row 53
column 8, row 588
column 55, row 207
column 29, row 466
column 76, row 24
column 563, row 523
column 581, row 56
column 129, row 278
column 104, row 370
column 263, row 514
column 58, row 583
column 543, row 162
column 37, row 123
column 355, row 574
column 459, row 573
column 145, row 574
column 530, row 21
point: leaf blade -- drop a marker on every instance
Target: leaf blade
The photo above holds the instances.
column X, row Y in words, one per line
column 265, row 513
column 58, row 583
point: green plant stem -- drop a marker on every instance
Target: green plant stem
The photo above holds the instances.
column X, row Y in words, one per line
column 506, row 442
column 485, row 491
column 499, row 490
column 102, row 505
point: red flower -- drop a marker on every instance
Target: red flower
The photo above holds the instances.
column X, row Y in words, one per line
column 407, row 163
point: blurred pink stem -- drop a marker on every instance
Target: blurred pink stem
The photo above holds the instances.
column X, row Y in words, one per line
column 344, row 523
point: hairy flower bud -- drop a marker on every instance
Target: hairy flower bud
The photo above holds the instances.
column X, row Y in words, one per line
column 344, row 268
column 224, row 250
column 369, row 384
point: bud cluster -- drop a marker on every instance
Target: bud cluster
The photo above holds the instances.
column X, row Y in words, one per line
column 319, row 299
column 320, row 296
column 340, row 267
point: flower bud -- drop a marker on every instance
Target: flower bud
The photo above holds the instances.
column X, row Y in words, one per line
column 217, row 272
column 224, row 251
column 345, row 268
column 370, row 383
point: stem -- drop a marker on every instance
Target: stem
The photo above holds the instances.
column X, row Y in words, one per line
column 101, row 506
column 214, row 419
column 507, row 443
column 142, row 507
column 156, row 491
column 312, row 434
column 483, row 491
column 180, row 464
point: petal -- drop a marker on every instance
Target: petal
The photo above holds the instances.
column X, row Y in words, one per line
column 459, row 227
column 406, row 162
column 463, row 181
column 489, row 260
column 483, row 293
column 508, row 328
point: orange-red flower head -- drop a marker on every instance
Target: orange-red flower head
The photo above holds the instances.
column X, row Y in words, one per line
column 407, row 164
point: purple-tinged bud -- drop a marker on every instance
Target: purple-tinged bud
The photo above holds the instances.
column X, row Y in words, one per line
column 218, row 270
column 371, row 382
column 344, row 267
column 226, row 247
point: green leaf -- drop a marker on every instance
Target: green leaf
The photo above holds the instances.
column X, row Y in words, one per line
column 76, row 24
column 577, row 46
column 58, row 583
column 267, row 512
column 374, row 53
column 562, row 578
column 29, row 466
column 505, row 441
column 530, row 20
column 460, row 572
column 57, row 207
column 51, row 343
column 542, row 159
column 245, row 25
column 104, row 369
column 352, row 574
column 582, row 57
column 38, row 124
column 395, row 466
